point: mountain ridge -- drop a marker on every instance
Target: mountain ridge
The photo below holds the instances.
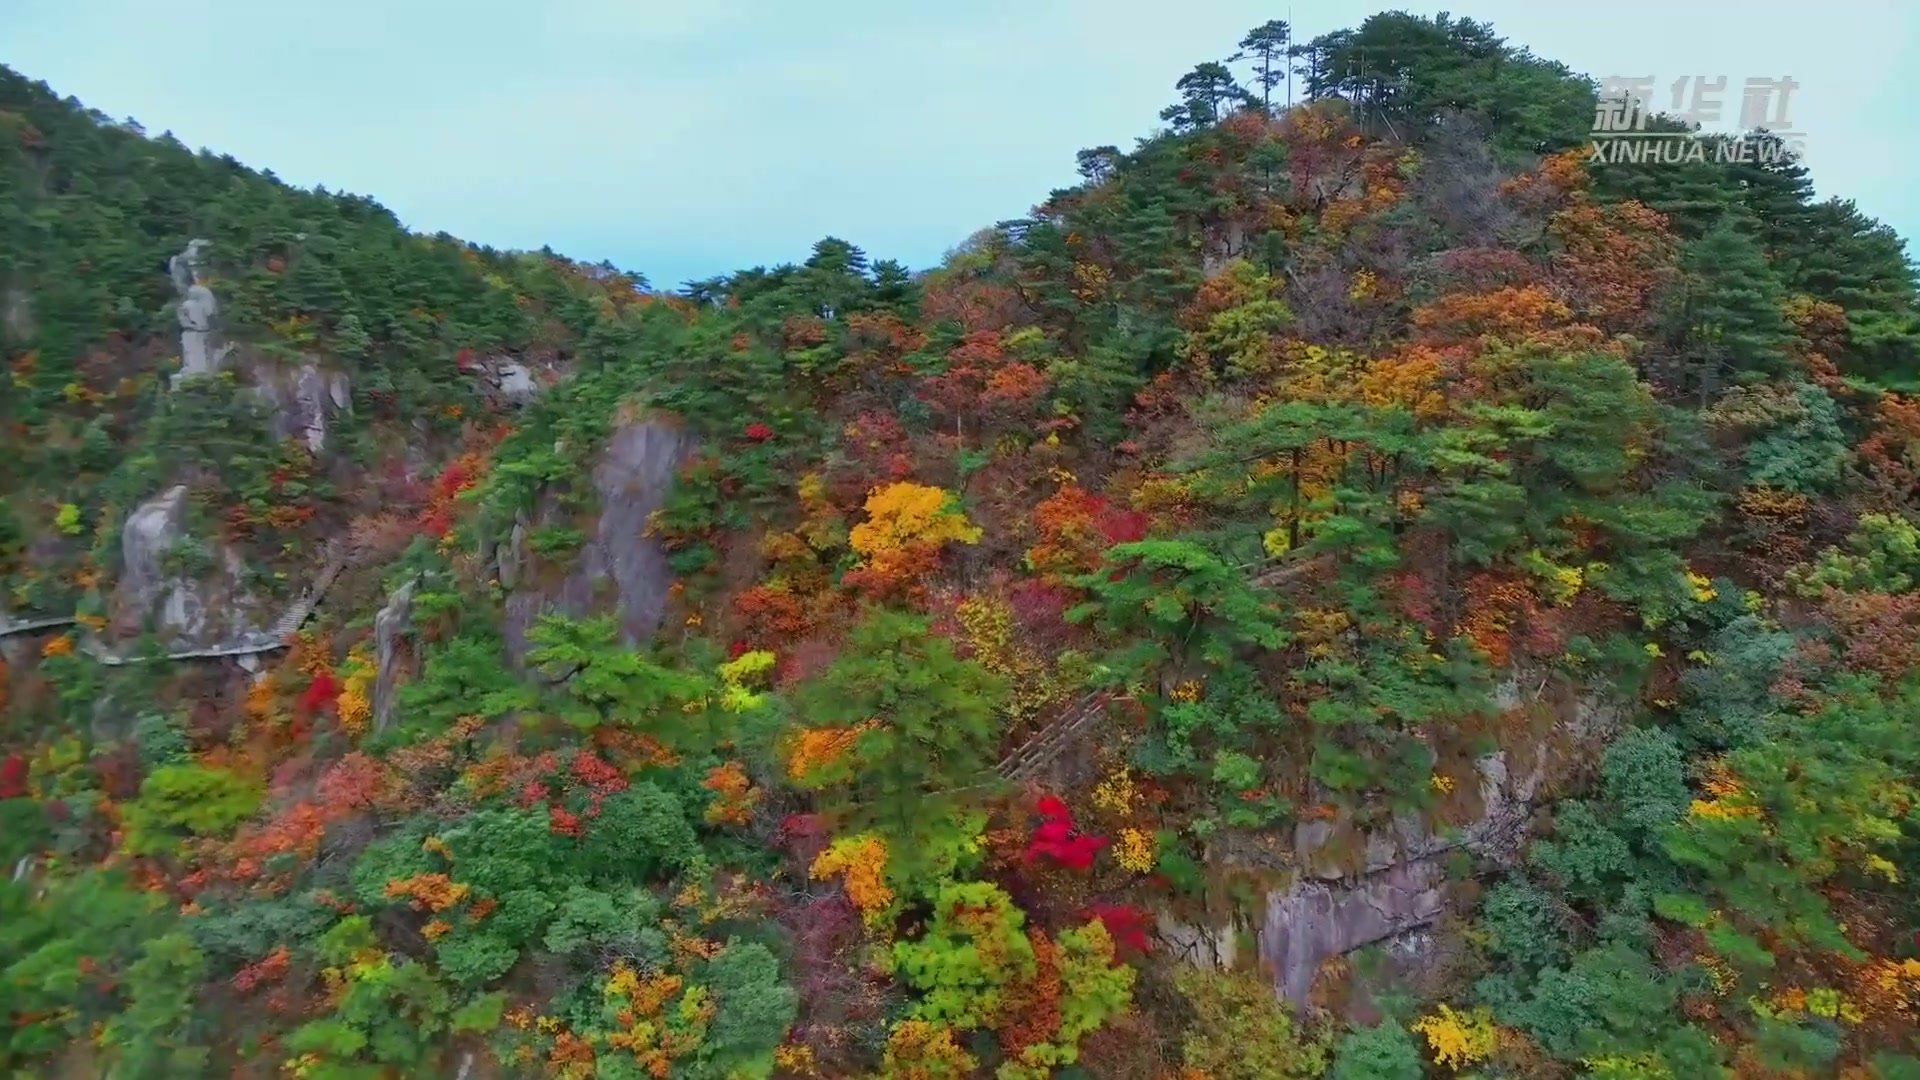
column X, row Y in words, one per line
column 1463, row 588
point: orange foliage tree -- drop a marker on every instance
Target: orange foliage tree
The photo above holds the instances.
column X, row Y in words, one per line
column 1614, row 257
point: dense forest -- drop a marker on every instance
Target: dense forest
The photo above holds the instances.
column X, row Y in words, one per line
column 1355, row 588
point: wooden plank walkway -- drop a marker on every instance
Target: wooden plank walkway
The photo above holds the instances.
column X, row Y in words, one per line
column 260, row 641
column 27, row 626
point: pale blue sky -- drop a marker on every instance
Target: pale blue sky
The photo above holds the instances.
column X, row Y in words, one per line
column 692, row 138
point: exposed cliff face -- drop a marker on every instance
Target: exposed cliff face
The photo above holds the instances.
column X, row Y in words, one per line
column 1352, row 888
column 186, row 609
column 151, row 532
column 619, row 567
column 390, row 625
column 303, row 401
column 190, row 590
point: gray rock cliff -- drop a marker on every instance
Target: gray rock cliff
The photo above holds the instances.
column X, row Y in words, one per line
column 1387, row 886
column 197, row 611
column 303, row 401
column 390, row 625
column 620, row 568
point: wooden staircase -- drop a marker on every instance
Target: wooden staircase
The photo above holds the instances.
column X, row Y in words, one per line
column 1047, row 744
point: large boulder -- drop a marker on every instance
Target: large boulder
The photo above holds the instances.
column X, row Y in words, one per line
column 1313, row 922
column 619, row 568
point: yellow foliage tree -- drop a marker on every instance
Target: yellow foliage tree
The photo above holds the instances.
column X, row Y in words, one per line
column 1136, row 850
column 356, row 700
column 1411, row 379
column 1459, row 1039
column 862, row 860
column 906, row 515
column 735, row 795
column 923, row 1050
column 738, row 673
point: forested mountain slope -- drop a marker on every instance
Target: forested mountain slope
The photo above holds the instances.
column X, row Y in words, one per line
column 1354, row 589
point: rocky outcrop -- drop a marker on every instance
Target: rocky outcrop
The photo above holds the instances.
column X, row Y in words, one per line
column 1313, row 922
column 203, row 351
column 512, row 381
column 516, row 382
column 195, row 611
column 512, row 554
column 619, row 568
column 150, row 534
column 1354, row 887
column 1203, row 947
column 303, row 401
column 390, row 625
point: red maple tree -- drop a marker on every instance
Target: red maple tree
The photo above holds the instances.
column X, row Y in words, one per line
column 1058, row 839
